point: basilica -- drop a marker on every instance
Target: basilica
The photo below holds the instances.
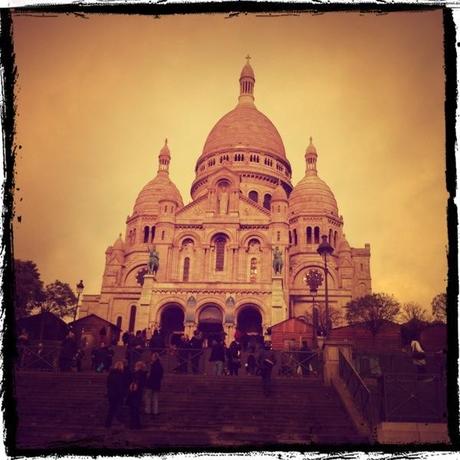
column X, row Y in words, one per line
column 216, row 252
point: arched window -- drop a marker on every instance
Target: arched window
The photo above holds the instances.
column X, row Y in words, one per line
column 294, row 232
column 146, row 234
column 267, row 201
column 163, row 235
column 132, row 318
column 330, row 236
column 317, row 235
column 119, row 321
column 186, row 274
column 290, row 237
column 335, row 239
column 308, row 235
column 253, row 269
column 134, row 236
column 152, row 237
column 220, row 253
column 254, row 196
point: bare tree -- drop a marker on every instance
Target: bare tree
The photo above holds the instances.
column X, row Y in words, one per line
column 413, row 311
column 335, row 315
column 372, row 311
column 439, row 307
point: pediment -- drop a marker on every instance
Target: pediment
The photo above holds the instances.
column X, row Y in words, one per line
column 194, row 210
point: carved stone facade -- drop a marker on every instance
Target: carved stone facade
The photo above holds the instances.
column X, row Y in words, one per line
column 216, row 253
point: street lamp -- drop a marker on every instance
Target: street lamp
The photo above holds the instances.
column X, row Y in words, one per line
column 80, row 287
column 325, row 249
column 314, row 279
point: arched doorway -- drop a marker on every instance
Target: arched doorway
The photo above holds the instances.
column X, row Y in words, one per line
column 172, row 324
column 249, row 327
column 210, row 323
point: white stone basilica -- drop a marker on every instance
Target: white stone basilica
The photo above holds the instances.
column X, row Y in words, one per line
column 215, row 271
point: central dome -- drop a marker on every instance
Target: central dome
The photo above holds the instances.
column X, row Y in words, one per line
column 246, row 127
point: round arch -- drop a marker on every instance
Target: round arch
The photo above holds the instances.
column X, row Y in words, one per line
column 131, row 273
column 210, row 317
column 246, row 237
column 249, row 324
column 178, row 238
column 171, row 322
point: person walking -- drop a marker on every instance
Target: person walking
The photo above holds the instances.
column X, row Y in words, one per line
column 153, row 385
column 196, row 345
column 135, row 395
column 217, row 357
column 115, row 393
column 266, row 361
column 304, row 359
column 418, row 356
column 68, row 351
column 234, row 357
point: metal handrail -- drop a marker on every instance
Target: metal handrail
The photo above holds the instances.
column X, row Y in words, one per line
column 358, row 389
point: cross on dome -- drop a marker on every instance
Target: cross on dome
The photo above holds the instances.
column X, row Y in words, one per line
column 248, row 58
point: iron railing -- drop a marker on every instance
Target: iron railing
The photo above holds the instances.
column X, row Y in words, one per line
column 376, row 364
column 358, row 389
column 414, row 398
column 291, row 364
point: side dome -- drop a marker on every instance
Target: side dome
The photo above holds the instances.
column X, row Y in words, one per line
column 246, row 127
column 155, row 190
column 312, row 194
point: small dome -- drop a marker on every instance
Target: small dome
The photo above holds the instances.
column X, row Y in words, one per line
column 245, row 127
column 153, row 192
column 119, row 245
column 279, row 194
column 311, row 148
column 312, row 194
column 247, row 71
column 165, row 149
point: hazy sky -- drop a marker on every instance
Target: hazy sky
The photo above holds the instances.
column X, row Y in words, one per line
column 96, row 97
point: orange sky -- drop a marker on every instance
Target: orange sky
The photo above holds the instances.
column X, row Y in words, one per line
column 96, row 97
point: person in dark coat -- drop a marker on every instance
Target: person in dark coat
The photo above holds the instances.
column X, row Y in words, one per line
column 115, row 392
column 153, row 386
column 266, row 361
column 218, row 357
column 68, row 351
column 125, row 338
column 182, row 355
column 156, row 341
column 196, row 345
column 135, row 394
column 304, row 358
column 234, row 357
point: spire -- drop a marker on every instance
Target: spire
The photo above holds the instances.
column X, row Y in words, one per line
column 164, row 158
column 310, row 158
column 247, row 81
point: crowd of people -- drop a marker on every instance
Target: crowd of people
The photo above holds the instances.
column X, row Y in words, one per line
column 138, row 389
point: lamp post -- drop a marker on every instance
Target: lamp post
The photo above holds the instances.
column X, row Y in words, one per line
column 314, row 279
column 80, row 286
column 325, row 249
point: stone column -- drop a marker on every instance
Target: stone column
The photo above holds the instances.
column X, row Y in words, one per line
column 331, row 357
column 145, row 300
column 279, row 308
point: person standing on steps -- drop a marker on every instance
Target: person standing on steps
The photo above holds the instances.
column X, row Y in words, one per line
column 135, row 395
column 234, row 357
column 217, row 357
column 153, row 385
column 196, row 345
column 115, row 393
column 266, row 361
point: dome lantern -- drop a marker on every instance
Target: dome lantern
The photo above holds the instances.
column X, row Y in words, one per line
column 247, row 81
column 164, row 158
column 310, row 158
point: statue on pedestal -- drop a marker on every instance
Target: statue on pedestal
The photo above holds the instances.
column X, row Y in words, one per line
column 277, row 261
column 154, row 261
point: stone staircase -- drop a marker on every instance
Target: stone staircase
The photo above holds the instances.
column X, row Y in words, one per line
column 58, row 410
